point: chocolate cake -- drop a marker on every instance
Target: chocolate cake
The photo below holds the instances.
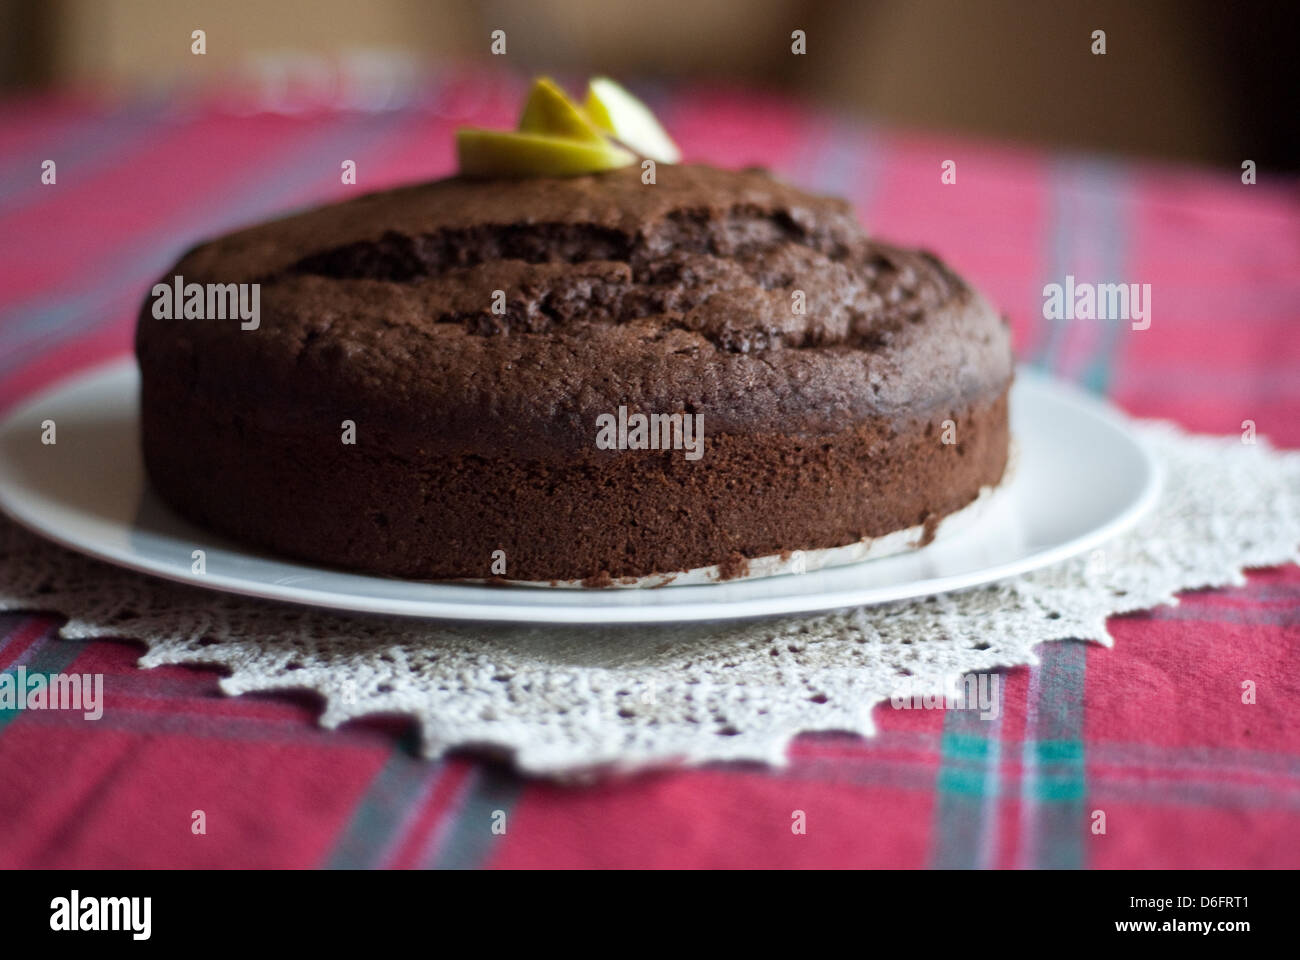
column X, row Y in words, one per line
column 444, row 380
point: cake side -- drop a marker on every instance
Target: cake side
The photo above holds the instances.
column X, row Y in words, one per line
column 597, row 516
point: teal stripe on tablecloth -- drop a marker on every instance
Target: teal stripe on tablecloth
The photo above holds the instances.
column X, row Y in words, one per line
column 1109, row 186
column 387, row 806
column 1061, row 785
column 849, row 164
column 1053, row 787
column 1093, row 246
column 968, row 786
column 50, row 654
column 469, row 841
column 1062, row 228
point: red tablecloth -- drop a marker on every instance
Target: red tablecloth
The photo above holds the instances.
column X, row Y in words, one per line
column 1152, row 732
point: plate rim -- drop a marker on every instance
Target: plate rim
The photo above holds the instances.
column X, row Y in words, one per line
column 558, row 614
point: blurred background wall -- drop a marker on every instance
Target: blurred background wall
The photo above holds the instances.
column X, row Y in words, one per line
column 1189, row 80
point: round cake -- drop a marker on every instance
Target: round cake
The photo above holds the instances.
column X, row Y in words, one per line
column 569, row 379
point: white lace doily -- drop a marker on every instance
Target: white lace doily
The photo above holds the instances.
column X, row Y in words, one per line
column 574, row 700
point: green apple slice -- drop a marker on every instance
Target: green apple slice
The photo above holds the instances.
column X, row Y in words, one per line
column 507, row 153
column 629, row 120
column 549, row 111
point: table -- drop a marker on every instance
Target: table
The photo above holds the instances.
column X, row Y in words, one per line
column 1153, row 732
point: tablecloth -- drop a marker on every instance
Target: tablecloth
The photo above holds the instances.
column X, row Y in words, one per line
column 1154, row 733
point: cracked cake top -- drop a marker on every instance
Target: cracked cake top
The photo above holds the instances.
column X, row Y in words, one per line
column 726, row 293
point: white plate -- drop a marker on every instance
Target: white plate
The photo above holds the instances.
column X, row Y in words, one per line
column 1082, row 477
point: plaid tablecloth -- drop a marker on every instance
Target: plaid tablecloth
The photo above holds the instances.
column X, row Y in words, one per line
column 1152, row 732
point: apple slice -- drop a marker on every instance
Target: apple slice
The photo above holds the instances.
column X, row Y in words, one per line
column 629, row 121
column 507, row 153
column 549, row 111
